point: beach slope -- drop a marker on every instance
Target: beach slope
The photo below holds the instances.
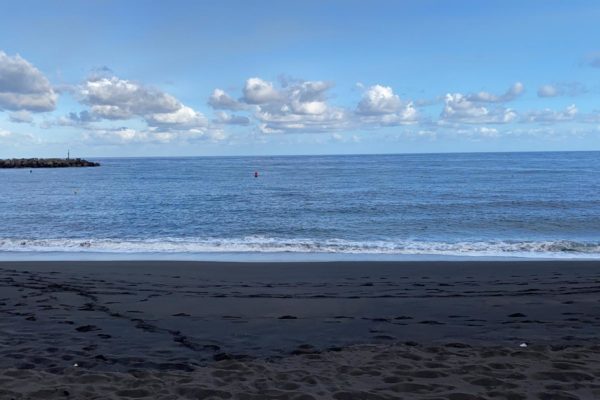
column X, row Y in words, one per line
column 343, row 330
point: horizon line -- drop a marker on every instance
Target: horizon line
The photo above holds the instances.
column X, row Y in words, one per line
column 350, row 154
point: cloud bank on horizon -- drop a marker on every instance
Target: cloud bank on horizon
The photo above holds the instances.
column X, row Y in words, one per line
column 103, row 112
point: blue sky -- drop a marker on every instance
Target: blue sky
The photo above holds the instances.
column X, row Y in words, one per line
column 134, row 78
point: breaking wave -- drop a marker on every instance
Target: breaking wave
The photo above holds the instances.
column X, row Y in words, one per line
column 260, row 244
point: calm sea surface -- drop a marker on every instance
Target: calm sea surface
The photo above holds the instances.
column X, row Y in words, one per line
column 503, row 204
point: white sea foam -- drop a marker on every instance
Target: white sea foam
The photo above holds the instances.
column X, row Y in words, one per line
column 260, row 244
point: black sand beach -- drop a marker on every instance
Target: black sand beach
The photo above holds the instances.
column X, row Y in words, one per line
column 343, row 330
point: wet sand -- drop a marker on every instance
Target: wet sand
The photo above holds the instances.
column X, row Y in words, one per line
column 364, row 330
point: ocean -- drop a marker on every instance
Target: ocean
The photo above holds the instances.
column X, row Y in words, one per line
column 532, row 205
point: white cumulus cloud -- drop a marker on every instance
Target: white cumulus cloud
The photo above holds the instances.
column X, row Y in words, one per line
column 486, row 97
column 302, row 106
column 114, row 98
column 183, row 118
column 23, row 86
column 258, row 91
column 231, row 119
column 297, row 106
column 126, row 135
column 379, row 100
column 220, row 100
column 551, row 116
column 380, row 106
column 459, row 108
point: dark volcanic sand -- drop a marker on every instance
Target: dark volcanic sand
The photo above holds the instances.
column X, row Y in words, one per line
column 179, row 322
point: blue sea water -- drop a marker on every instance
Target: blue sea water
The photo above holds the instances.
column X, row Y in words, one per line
column 487, row 204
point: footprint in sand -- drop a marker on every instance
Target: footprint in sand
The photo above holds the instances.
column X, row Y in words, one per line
column 87, row 328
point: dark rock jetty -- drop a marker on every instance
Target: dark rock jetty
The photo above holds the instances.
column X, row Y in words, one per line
column 46, row 163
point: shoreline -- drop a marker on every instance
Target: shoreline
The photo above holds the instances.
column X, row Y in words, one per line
column 406, row 262
column 414, row 266
column 273, row 257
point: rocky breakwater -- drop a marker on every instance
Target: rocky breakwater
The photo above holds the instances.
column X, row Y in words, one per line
column 46, row 163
